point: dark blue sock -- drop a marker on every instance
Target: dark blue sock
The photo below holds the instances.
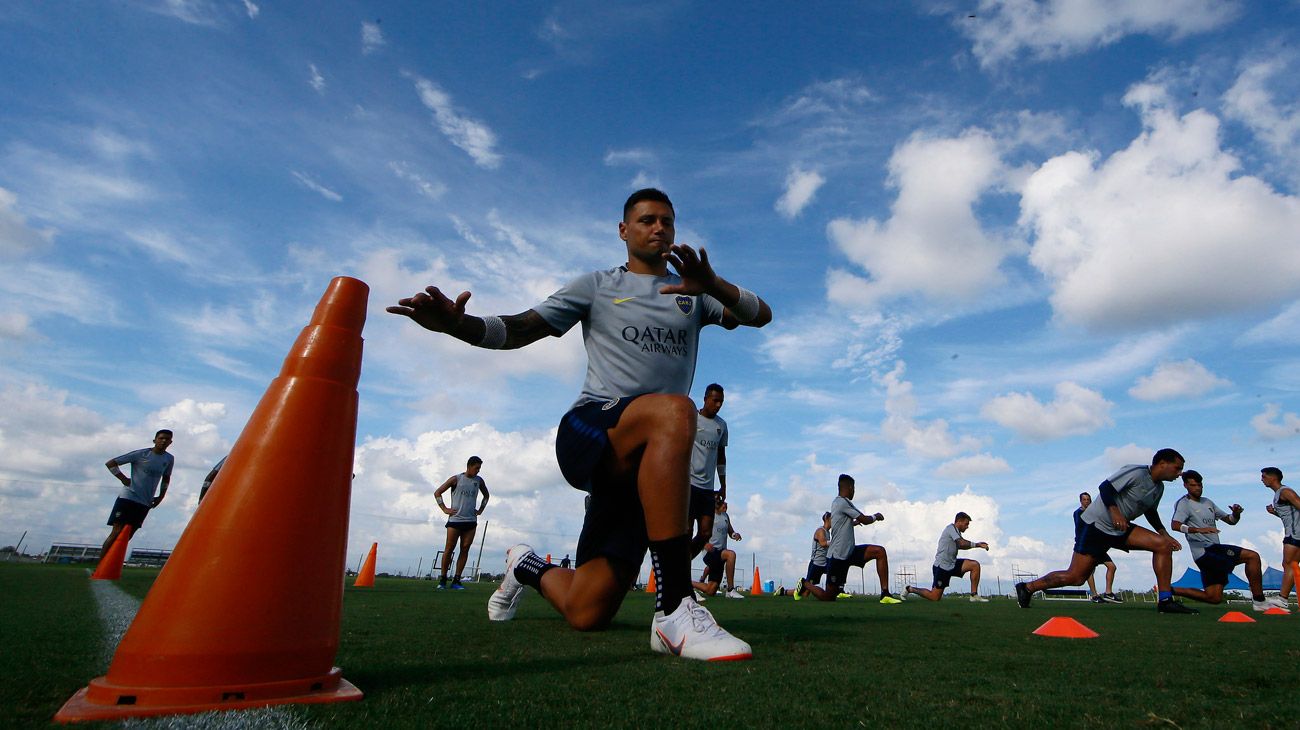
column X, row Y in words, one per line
column 671, row 561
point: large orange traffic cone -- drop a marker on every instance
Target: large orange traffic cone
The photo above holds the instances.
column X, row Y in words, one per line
column 1064, row 627
column 650, row 586
column 208, row 636
column 366, row 578
column 757, row 589
column 110, row 563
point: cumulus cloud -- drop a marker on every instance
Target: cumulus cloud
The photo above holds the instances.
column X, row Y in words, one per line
column 17, row 237
column 1264, row 99
column 1105, row 230
column 1075, row 411
column 307, row 182
column 1274, row 425
column 472, row 136
column 1002, row 30
column 372, row 38
column 932, row 244
column 800, row 188
column 973, row 466
column 926, row 439
column 1185, row 379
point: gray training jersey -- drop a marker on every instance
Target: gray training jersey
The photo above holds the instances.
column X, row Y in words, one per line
column 1289, row 515
column 818, row 551
column 946, row 555
column 1135, row 493
column 147, row 469
column 1198, row 513
column 843, row 514
column 710, row 433
column 638, row 340
column 464, row 498
column 721, row 531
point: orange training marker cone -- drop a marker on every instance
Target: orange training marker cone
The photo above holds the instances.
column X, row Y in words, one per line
column 1277, row 611
column 209, row 637
column 1064, row 627
column 366, row 578
column 1235, row 617
column 1295, row 572
column 110, row 563
column 650, row 586
column 757, row 589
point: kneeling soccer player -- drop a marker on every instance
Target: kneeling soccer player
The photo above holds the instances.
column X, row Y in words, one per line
column 843, row 553
column 1197, row 517
column 947, row 566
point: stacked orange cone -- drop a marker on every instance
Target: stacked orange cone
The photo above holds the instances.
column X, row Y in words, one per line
column 366, row 578
column 110, row 563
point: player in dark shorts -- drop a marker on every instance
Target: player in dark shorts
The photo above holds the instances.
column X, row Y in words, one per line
column 708, row 458
column 843, row 553
column 1109, row 596
column 818, row 563
column 151, row 469
column 627, row 439
column 1197, row 516
column 462, row 517
column 948, row 566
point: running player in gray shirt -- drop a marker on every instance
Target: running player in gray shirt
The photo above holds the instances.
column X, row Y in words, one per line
column 1286, row 507
column 947, row 566
column 462, row 517
column 627, row 439
column 1197, row 516
column 1132, row 491
column 843, row 554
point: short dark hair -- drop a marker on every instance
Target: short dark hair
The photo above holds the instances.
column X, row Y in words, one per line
column 1084, row 494
column 1272, row 471
column 826, row 515
column 711, row 387
column 845, row 479
column 961, row 516
column 473, row 460
column 1167, row 456
column 1193, row 474
column 654, row 194
column 162, row 431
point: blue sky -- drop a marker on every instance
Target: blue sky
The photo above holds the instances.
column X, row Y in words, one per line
column 1010, row 246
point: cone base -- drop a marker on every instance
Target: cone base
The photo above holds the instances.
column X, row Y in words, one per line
column 1064, row 627
column 1235, row 617
column 1275, row 611
column 103, row 701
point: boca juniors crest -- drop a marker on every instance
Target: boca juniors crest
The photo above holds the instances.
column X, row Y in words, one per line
column 685, row 304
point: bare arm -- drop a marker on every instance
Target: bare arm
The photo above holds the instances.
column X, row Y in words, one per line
column 162, row 491
column 722, row 474
column 437, row 494
column 698, row 277
column 868, row 519
column 820, row 537
column 1288, row 495
column 482, row 488
column 112, row 466
column 432, row 310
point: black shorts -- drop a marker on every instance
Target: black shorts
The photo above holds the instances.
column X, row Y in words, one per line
column 815, row 572
column 713, row 565
column 462, row 526
column 1216, row 564
column 943, row 576
column 1292, row 541
column 614, row 526
column 128, row 512
column 838, row 570
column 1097, row 544
column 703, row 502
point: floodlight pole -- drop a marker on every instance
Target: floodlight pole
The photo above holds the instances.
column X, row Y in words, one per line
column 481, row 540
column 418, row 566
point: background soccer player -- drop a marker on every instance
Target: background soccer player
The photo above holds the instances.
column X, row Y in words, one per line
column 1196, row 516
column 948, row 566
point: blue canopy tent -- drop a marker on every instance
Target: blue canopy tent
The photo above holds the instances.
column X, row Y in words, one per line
column 1272, row 579
column 1192, row 579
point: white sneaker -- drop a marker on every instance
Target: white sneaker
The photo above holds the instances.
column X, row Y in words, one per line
column 1278, row 602
column 700, row 597
column 505, row 599
column 691, row 632
column 733, row 593
column 1260, row 606
column 978, row 599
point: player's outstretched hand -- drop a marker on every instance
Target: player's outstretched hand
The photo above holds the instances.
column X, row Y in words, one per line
column 694, row 268
column 879, row 517
column 984, row 545
column 1236, row 509
column 432, row 310
column 1270, row 510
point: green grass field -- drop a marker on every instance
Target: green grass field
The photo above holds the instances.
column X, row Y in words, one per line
column 427, row 658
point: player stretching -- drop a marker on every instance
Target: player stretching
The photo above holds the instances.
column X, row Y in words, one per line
column 821, row 541
column 627, row 439
column 843, row 553
column 708, row 457
column 1286, row 507
column 947, row 566
column 1131, row 491
column 1109, row 596
column 718, row 558
column 1196, row 517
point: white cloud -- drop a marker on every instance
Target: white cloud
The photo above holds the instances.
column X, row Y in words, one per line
column 372, row 38
column 1274, row 425
column 316, row 80
column 1075, row 411
column 926, row 439
column 932, row 243
column 431, row 190
column 632, row 157
column 1185, row 379
column 14, row 325
column 1124, row 241
column 1117, row 457
column 800, row 188
column 1282, row 329
column 1001, row 30
column 251, row 8
column 306, row 181
column 472, row 136
column 1254, row 100
column 973, row 466
column 194, row 12
column 17, row 238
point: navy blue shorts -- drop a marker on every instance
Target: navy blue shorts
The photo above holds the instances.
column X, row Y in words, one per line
column 128, row 512
column 1097, row 544
column 1216, row 564
column 838, row 570
column 614, row 526
column 943, row 576
column 703, row 502
column 462, row 526
column 714, row 564
column 1294, row 542
column 815, row 572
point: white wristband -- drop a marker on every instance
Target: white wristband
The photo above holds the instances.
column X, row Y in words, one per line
column 494, row 333
column 746, row 308
column 1183, row 528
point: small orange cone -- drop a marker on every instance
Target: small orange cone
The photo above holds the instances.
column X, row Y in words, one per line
column 757, row 589
column 1235, row 617
column 1295, row 572
column 1064, row 627
column 650, row 586
column 1277, row 611
column 211, row 637
column 110, row 563
column 366, row 578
